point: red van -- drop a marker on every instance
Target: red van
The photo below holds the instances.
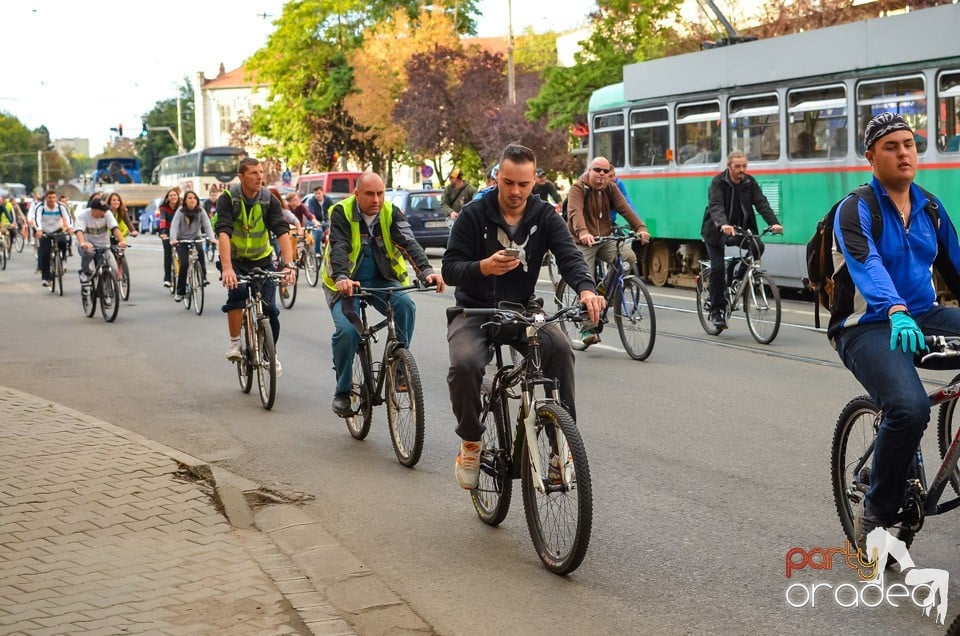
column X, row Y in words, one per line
column 332, row 182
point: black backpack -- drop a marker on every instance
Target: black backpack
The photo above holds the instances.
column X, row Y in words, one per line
column 820, row 270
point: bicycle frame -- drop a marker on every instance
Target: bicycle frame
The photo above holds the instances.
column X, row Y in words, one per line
column 374, row 379
column 528, row 374
column 612, row 283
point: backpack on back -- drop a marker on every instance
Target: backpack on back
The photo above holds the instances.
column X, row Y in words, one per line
column 820, row 269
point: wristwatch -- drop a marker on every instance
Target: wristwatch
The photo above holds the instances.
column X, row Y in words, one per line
column 290, row 265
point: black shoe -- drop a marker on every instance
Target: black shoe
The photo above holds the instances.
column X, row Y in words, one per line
column 863, row 524
column 718, row 320
column 341, row 404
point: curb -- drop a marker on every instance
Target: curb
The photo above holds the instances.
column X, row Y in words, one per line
column 331, row 590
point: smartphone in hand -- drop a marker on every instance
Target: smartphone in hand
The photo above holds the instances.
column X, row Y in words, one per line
column 513, row 252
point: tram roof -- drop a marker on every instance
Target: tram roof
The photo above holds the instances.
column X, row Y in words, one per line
column 927, row 34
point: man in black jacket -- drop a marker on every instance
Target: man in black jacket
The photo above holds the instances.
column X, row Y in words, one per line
column 477, row 262
column 732, row 197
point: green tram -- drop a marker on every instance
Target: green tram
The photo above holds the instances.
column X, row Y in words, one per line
column 796, row 105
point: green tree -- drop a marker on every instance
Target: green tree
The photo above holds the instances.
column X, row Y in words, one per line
column 157, row 144
column 624, row 32
column 305, row 63
column 535, row 51
column 18, row 157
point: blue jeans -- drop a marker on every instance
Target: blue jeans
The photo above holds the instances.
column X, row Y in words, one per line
column 346, row 338
column 891, row 379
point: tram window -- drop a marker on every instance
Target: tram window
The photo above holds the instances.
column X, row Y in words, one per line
column 649, row 137
column 817, row 123
column 903, row 95
column 698, row 133
column 948, row 112
column 608, row 139
column 753, row 127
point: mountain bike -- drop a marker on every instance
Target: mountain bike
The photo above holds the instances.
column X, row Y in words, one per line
column 627, row 297
column 194, row 286
column 749, row 286
column 59, row 248
column 257, row 348
column 394, row 380
column 546, row 453
column 102, row 287
column 851, row 453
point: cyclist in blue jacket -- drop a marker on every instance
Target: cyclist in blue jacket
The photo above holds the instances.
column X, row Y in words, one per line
column 885, row 301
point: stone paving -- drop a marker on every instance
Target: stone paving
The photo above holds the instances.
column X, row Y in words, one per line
column 104, row 532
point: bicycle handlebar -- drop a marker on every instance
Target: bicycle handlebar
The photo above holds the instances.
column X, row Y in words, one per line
column 502, row 316
column 259, row 274
column 939, row 347
column 361, row 292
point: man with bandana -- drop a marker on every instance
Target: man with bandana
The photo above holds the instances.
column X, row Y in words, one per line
column 885, row 302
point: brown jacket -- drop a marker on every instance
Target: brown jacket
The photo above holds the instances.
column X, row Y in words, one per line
column 589, row 209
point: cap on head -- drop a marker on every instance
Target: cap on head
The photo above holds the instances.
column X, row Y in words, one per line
column 541, row 172
column 97, row 204
column 882, row 125
column 456, row 173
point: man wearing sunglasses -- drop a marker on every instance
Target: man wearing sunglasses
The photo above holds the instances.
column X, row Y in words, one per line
column 592, row 198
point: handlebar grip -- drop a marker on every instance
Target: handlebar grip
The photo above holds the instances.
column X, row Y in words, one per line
column 479, row 311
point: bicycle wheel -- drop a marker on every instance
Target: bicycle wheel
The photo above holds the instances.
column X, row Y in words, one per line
column 18, row 242
column 244, row 365
column 564, row 297
column 761, row 304
column 552, row 270
column 852, row 447
column 211, row 250
column 88, row 298
column 560, row 518
column 108, row 291
column 703, row 302
column 124, row 278
column 3, row 259
column 288, row 294
column 636, row 322
column 188, row 289
column 945, row 432
column 266, row 364
column 491, row 497
column 58, row 273
column 404, row 397
column 312, row 269
column 359, row 423
column 197, row 289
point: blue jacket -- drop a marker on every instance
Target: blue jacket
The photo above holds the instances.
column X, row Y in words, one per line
column 872, row 277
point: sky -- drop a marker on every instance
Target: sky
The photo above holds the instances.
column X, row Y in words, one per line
column 85, row 66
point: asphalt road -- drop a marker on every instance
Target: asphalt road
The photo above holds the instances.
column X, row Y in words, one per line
column 710, row 461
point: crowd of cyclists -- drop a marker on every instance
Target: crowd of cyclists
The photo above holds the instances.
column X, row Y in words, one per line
column 497, row 244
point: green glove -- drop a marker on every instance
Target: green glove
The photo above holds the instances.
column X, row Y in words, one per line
column 905, row 331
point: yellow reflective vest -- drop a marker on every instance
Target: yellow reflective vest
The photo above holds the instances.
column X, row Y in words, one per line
column 250, row 240
column 396, row 261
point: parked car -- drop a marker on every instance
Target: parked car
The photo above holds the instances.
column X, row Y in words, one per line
column 150, row 217
column 422, row 208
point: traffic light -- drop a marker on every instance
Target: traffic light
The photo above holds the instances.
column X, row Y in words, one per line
column 144, row 132
column 119, row 130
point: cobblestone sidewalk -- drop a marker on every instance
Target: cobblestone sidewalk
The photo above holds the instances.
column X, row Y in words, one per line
column 101, row 532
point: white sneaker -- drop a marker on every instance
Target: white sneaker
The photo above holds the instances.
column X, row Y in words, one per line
column 233, row 351
column 468, row 464
column 279, row 368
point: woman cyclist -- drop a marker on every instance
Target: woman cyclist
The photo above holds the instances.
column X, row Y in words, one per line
column 119, row 208
column 168, row 207
column 189, row 223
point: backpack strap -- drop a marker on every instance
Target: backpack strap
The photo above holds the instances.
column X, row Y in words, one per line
column 868, row 196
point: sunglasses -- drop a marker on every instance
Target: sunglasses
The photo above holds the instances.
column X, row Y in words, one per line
column 601, row 170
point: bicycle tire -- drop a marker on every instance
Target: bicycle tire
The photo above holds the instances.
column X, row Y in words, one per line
column 491, row 498
column 635, row 318
column 124, row 278
column 108, row 291
column 291, row 297
column 188, row 289
column 552, row 270
column 703, row 302
column 758, row 301
column 18, row 243
column 211, row 251
column 59, row 273
column 405, row 417
column 89, row 300
column 244, row 364
column 3, row 259
column 312, row 268
column 560, row 554
column 564, row 297
column 360, row 403
column 197, row 291
column 266, row 364
column 945, row 432
column 845, row 452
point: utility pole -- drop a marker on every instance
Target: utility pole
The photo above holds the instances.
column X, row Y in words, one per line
column 40, row 170
column 511, row 75
column 179, row 124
